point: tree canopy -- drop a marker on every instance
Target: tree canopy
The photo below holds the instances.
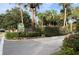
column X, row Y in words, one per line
column 11, row 19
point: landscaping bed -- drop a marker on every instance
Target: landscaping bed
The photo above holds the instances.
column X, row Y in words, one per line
column 47, row 32
column 70, row 45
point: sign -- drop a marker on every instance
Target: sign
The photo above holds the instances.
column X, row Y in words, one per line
column 71, row 21
column 21, row 27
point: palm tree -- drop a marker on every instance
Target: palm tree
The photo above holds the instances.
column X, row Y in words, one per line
column 66, row 10
column 33, row 8
column 75, row 12
column 21, row 11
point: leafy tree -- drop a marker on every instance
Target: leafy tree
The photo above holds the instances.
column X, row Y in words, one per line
column 75, row 12
column 48, row 17
column 33, row 8
column 40, row 20
column 12, row 18
column 66, row 10
column 1, row 20
column 18, row 5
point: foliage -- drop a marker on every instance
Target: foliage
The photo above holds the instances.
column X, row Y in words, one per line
column 11, row 35
column 33, row 8
column 38, row 29
column 40, row 20
column 71, row 44
column 75, row 12
column 11, row 19
column 67, row 6
column 33, row 34
column 77, row 25
column 48, row 17
column 18, row 35
column 64, row 30
column 51, row 31
column 68, row 51
column 21, row 34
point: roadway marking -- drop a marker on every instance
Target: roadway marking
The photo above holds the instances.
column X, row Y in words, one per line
column 1, row 44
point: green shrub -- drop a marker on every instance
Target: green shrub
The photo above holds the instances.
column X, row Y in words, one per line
column 68, row 42
column 37, row 29
column 77, row 25
column 51, row 31
column 33, row 34
column 71, row 44
column 21, row 34
column 67, row 51
column 64, row 30
column 75, row 41
column 11, row 35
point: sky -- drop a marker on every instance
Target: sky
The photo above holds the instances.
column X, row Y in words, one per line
column 43, row 8
column 49, row 6
column 5, row 6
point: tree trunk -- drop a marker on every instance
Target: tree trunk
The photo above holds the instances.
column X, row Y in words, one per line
column 21, row 15
column 64, row 18
column 21, row 12
column 71, row 27
column 33, row 18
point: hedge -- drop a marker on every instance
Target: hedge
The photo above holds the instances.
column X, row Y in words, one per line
column 15, row 35
column 11, row 35
column 51, row 31
column 33, row 34
column 71, row 45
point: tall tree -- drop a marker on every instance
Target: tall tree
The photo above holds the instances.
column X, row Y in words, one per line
column 18, row 5
column 1, row 20
column 11, row 18
column 47, row 17
column 66, row 10
column 33, row 8
column 75, row 12
column 40, row 19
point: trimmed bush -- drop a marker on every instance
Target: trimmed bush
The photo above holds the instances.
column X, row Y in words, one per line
column 21, row 34
column 68, row 51
column 51, row 31
column 77, row 25
column 11, row 35
column 33, row 34
column 37, row 29
column 71, row 44
column 64, row 30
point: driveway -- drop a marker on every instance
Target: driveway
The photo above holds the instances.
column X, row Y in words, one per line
column 39, row 46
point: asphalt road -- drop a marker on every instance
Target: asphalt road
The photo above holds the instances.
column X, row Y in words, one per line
column 40, row 46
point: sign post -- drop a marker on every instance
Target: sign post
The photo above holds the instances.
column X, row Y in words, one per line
column 21, row 27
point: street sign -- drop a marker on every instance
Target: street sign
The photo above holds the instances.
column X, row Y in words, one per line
column 21, row 27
